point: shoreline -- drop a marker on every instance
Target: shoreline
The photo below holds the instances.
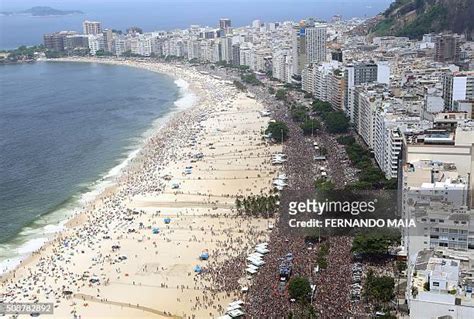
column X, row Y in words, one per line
column 225, row 126
column 105, row 181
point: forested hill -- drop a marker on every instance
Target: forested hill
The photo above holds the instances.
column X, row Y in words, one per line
column 413, row 18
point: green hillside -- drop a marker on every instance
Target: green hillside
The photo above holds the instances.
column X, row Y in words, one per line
column 413, row 18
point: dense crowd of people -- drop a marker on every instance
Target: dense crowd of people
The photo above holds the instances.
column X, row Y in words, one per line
column 268, row 296
column 109, row 238
column 223, row 276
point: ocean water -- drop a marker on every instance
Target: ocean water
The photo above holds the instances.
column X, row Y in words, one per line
column 168, row 14
column 65, row 130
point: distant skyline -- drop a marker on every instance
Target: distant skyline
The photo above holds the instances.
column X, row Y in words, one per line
column 66, row 4
column 168, row 14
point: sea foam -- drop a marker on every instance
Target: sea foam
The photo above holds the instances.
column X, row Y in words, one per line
column 33, row 238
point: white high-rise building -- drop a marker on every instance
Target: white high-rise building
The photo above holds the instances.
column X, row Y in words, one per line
column 142, row 45
column 308, row 78
column 259, row 58
column 256, row 24
column 271, row 26
column 299, row 57
column 245, row 56
column 383, row 72
column 316, row 43
column 215, row 51
column 92, row 27
column 119, row 46
column 354, row 75
column 336, row 89
column 226, row 49
column 368, row 102
column 391, row 123
column 309, row 45
column 437, row 193
column 458, row 86
column 96, row 43
column 456, row 147
column 325, row 82
column 206, row 51
column 193, row 49
column 282, row 63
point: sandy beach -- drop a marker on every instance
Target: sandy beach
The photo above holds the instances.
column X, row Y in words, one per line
column 132, row 251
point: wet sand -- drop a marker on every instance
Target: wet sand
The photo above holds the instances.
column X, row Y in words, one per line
column 220, row 137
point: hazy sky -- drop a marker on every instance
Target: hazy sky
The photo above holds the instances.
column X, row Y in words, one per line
column 77, row 4
column 153, row 15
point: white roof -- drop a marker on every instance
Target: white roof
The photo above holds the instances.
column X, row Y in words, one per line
column 252, row 266
column 233, row 307
column 257, row 262
column 253, row 258
column 236, row 313
column 251, row 271
column 237, row 302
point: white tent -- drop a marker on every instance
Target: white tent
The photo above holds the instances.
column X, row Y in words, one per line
column 236, row 313
column 256, row 255
column 261, row 250
column 237, row 302
column 252, row 266
column 257, row 262
column 233, row 307
column 251, row 271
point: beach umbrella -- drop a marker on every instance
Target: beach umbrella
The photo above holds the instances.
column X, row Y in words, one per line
column 204, row 256
column 156, row 230
column 197, row 269
column 94, row 279
column 167, row 220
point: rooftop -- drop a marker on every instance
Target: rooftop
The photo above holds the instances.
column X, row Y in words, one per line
column 428, row 174
column 446, row 275
column 432, row 137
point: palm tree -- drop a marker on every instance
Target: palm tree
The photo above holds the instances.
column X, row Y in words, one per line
column 245, row 205
column 238, row 205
